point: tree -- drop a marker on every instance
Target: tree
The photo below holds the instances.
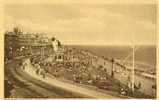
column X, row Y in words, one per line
column 53, row 39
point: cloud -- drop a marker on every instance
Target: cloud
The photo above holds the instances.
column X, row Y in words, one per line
column 84, row 25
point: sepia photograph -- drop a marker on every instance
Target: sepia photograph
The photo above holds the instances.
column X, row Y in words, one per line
column 80, row 50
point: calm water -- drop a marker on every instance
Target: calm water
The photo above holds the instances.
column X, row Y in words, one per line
column 144, row 54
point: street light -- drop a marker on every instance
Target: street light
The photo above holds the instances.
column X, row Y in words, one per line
column 112, row 70
column 133, row 63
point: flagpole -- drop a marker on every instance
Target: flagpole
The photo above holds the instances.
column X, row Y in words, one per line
column 133, row 63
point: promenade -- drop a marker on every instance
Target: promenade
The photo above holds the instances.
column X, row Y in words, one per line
column 68, row 86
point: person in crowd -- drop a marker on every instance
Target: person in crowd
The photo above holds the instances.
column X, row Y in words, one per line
column 122, row 91
column 23, row 65
column 8, row 88
column 43, row 72
column 37, row 68
column 137, row 86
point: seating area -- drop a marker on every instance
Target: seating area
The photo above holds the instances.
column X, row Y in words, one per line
column 79, row 71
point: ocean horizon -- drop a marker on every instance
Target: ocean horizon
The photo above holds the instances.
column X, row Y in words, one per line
column 145, row 54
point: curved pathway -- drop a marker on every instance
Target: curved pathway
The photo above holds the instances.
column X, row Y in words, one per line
column 29, row 85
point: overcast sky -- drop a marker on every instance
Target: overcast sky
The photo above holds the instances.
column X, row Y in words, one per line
column 107, row 24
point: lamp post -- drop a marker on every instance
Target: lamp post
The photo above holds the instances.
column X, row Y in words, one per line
column 133, row 72
column 112, row 69
column 133, row 63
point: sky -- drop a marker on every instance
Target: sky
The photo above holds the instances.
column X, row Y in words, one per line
column 87, row 24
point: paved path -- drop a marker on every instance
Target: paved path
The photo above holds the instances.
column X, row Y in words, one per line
column 28, row 84
column 67, row 86
column 23, row 86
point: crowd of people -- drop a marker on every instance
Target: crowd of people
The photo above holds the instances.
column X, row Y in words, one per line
column 76, row 65
column 80, row 71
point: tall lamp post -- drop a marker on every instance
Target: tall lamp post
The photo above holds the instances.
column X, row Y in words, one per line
column 112, row 69
column 133, row 63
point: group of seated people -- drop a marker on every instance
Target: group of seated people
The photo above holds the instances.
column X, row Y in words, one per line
column 79, row 72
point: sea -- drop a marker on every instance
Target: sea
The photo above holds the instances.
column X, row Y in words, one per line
column 144, row 54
